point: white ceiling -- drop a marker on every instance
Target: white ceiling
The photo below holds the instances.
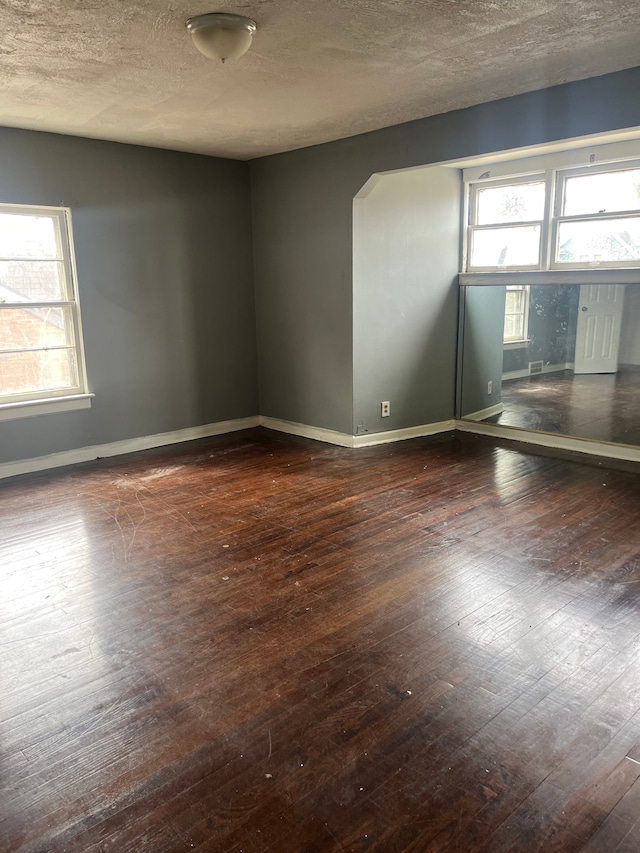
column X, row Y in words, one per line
column 318, row 70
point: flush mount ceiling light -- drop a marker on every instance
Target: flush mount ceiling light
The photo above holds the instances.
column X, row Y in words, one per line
column 220, row 35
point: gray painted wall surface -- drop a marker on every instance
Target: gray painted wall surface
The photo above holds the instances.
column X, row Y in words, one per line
column 302, row 217
column 406, row 249
column 482, row 348
column 163, row 250
column 630, row 331
column 163, row 245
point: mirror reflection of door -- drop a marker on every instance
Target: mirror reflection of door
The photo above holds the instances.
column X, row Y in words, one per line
column 598, row 330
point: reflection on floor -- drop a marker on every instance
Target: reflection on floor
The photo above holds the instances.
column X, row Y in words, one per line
column 602, row 407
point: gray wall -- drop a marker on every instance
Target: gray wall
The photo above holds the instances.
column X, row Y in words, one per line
column 482, row 348
column 163, row 250
column 302, row 218
column 630, row 331
column 406, row 247
column 163, row 245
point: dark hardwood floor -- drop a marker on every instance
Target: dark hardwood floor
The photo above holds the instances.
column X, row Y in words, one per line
column 599, row 406
column 261, row 643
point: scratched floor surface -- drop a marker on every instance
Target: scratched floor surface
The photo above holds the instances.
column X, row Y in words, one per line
column 599, row 406
column 260, row 643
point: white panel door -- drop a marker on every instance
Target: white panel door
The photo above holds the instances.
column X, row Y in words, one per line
column 598, row 332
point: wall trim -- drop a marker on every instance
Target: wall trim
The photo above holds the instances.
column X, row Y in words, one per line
column 373, row 438
column 489, row 412
column 118, row 448
column 330, row 436
column 587, row 275
column 148, row 442
column 556, row 442
column 46, row 406
column 343, row 439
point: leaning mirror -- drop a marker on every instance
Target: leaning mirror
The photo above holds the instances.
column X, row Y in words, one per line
column 554, row 358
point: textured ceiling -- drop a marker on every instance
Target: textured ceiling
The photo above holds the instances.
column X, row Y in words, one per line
column 318, row 69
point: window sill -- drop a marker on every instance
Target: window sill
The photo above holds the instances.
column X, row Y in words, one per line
column 516, row 344
column 47, row 406
column 611, row 275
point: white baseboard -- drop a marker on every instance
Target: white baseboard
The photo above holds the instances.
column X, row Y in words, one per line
column 318, row 433
column 373, row 438
column 131, row 445
column 147, row 442
column 556, row 442
column 343, row 439
column 128, row 445
column 485, row 413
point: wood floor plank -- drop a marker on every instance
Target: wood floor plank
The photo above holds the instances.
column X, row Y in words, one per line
column 261, row 643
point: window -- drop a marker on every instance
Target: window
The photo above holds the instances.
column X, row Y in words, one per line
column 516, row 314
column 505, row 225
column 591, row 219
column 598, row 219
column 41, row 355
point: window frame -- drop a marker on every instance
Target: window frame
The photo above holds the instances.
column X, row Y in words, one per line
column 559, row 217
column 555, row 181
column 24, row 403
column 524, row 340
column 473, row 190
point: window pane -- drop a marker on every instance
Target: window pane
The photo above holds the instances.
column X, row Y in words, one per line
column 32, row 281
column 514, row 302
column 605, row 240
column 605, row 192
column 21, row 372
column 28, row 236
column 515, row 203
column 35, row 327
column 506, row 247
column 514, row 327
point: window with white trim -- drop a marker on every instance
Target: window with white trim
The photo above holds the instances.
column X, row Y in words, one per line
column 41, row 354
column 598, row 218
column 506, row 219
column 516, row 314
column 557, row 219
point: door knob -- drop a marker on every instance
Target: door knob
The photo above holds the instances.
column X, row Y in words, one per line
column 584, row 308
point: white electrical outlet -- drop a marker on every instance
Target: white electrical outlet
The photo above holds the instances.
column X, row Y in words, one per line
column 490, row 387
column 385, row 409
